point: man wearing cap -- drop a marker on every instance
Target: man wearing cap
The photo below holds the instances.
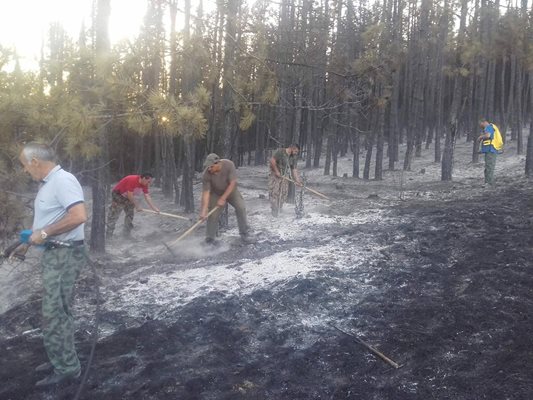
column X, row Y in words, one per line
column 58, row 230
column 282, row 165
column 220, row 186
column 123, row 198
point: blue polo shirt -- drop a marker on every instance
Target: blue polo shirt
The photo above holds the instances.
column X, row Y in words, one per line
column 59, row 191
column 488, row 148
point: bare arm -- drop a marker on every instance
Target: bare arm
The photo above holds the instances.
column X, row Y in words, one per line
column 222, row 200
column 148, row 199
column 76, row 215
column 274, row 167
column 205, row 204
column 131, row 198
column 296, row 176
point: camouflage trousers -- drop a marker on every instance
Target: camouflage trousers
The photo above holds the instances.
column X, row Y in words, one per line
column 119, row 203
column 490, row 165
column 236, row 200
column 60, row 269
column 278, row 188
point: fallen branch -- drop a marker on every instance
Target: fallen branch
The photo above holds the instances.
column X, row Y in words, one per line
column 369, row 347
column 306, row 188
column 165, row 214
column 192, row 228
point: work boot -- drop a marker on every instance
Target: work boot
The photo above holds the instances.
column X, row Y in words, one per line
column 248, row 238
column 55, row 379
column 211, row 242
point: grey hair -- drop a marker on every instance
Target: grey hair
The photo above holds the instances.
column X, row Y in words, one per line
column 39, row 151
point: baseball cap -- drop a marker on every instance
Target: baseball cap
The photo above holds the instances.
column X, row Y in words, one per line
column 211, row 159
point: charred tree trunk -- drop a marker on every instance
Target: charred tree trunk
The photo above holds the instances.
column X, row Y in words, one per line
column 378, row 172
column 102, row 48
column 451, row 134
column 368, row 159
column 518, row 113
column 230, row 47
column 529, row 152
column 170, row 176
column 329, row 150
column 356, row 149
column 189, row 146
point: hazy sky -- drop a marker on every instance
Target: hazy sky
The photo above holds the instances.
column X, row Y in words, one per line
column 24, row 23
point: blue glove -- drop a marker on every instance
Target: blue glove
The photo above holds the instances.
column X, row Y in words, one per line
column 25, row 236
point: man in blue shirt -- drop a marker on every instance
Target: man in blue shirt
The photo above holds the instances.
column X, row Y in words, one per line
column 58, row 230
column 488, row 150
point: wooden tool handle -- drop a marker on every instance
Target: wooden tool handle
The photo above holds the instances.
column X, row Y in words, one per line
column 192, row 228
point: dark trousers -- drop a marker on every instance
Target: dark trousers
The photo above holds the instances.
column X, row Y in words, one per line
column 490, row 165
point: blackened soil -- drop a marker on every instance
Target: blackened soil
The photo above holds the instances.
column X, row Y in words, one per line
column 453, row 304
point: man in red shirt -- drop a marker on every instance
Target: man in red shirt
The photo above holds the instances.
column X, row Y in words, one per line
column 123, row 199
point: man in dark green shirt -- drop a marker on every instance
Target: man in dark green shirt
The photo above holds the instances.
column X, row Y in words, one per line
column 282, row 165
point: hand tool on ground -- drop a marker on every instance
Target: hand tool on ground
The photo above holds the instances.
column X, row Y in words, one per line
column 306, row 188
column 166, row 214
column 369, row 347
column 10, row 252
column 192, row 228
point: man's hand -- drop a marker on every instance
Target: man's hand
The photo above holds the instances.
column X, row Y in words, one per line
column 157, row 210
column 203, row 214
column 221, row 202
column 277, row 173
column 138, row 208
column 36, row 238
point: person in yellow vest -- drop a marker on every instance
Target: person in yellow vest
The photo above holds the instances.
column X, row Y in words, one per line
column 491, row 146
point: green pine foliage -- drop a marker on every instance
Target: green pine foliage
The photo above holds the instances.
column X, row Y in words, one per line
column 181, row 118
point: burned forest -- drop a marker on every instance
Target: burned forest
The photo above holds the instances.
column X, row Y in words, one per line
column 293, row 199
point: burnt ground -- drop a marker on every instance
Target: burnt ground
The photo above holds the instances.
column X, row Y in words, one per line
column 441, row 285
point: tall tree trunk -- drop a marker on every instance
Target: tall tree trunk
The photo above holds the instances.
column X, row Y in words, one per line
column 518, row 113
column 394, row 129
column 329, row 149
column 170, row 179
column 356, row 148
column 451, row 133
column 187, row 194
column 230, row 47
column 529, row 151
column 368, row 159
column 378, row 173
column 334, row 154
column 102, row 48
column 189, row 146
